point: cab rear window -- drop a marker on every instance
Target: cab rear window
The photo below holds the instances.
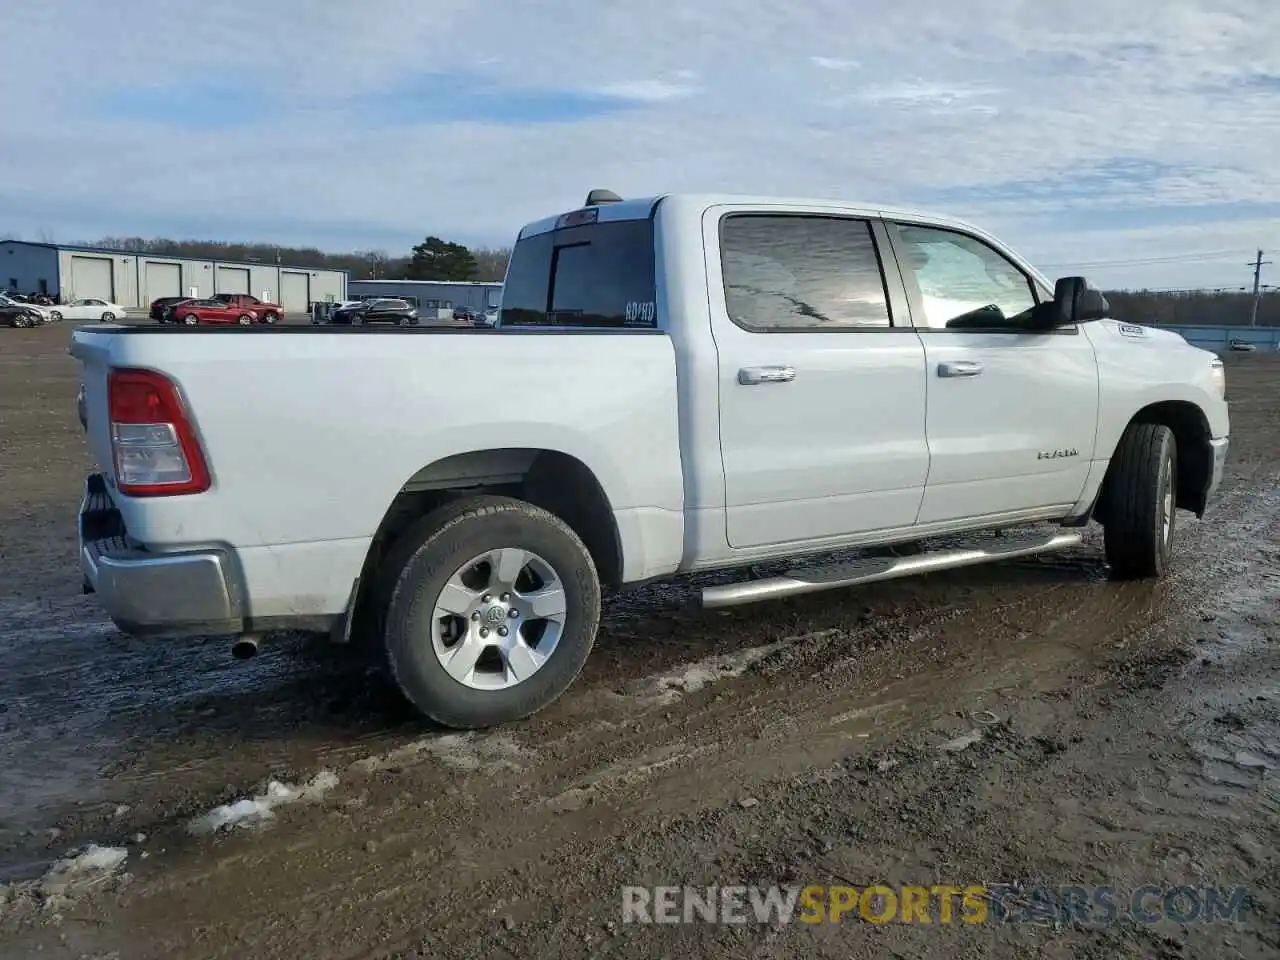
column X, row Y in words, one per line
column 592, row 275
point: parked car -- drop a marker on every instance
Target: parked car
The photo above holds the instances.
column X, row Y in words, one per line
column 262, row 311
column 1243, row 345
column 469, row 315
column 14, row 314
column 28, row 311
column 92, row 308
column 491, row 316
column 194, row 312
column 383, row 310
column 785, row 380
column 160, row 307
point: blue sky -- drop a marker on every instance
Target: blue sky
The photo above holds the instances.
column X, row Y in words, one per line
column 1136, row 138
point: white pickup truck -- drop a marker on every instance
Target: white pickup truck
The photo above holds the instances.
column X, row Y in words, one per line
column 675, row 384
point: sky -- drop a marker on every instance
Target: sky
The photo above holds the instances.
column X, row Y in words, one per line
column 1133, row 142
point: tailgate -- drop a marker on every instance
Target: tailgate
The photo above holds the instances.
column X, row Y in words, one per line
column 93, row 348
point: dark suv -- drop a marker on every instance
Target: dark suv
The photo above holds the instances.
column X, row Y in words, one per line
column 378, row 311
column 470, row 315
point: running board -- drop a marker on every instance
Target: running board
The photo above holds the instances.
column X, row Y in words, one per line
column 874, row 569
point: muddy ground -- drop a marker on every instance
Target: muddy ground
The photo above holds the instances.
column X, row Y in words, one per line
column 1029, row 722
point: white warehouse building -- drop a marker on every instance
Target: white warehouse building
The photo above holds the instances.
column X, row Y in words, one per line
column 134, row 279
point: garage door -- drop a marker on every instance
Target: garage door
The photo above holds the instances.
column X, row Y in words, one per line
column 295, row 291
column 162, row 280
column 232, row 280
column 92, row 277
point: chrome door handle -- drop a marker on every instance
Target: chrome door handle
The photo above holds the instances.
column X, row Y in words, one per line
column 751, row 376
column 960, row 368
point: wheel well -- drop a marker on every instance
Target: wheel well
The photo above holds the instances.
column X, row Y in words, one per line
column 1191, row 437
column 549, row 479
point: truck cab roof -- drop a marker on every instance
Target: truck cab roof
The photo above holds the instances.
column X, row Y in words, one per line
column 642, row 207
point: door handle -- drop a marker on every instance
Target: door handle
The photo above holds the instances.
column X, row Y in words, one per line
column 960, row 368
column 751, row 376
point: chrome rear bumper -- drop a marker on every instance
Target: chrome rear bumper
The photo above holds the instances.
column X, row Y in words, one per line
column 151, row 594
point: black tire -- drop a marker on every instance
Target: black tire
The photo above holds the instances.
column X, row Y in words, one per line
column 245, row 320
column 1142, row 479
column 55, row 316
column 421, row 563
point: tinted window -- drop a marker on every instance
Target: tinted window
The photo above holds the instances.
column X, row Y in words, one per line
column 795, row 272
column 594, row 275
column 963, row 282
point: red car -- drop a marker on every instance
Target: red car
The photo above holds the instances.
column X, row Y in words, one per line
column 192, row 312
column 262, row 311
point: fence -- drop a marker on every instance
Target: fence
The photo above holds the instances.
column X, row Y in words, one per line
column 1218, row 338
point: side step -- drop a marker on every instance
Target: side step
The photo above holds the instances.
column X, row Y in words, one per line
column 874, row 569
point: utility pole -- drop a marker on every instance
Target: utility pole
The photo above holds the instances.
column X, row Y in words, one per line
column 1257, row 265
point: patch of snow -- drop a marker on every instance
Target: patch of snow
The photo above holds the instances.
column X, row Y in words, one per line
column 89, row 867
column 962, row 742
column 487, row 753
column 691, row 677
column 253, row 811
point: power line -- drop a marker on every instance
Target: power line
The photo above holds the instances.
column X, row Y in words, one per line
column 1147, row 261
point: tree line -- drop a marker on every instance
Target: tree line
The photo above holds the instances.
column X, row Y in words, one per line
column 1193, row 307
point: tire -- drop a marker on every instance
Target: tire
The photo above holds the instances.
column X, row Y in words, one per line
column 108, row 317
column 1141, row 498
column 55, row 316
column 190, row 320
column 244, row 320
column 437, row 551
column 270, row 318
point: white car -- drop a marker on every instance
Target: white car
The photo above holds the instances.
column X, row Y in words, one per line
column 680, row 384
column 91, row 308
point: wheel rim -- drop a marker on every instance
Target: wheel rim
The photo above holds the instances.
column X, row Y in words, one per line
column 245, row 321
column 56, row 316
column 498, row 619
column 190, row 321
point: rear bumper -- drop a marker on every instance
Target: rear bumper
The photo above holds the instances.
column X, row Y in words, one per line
column 149, row 594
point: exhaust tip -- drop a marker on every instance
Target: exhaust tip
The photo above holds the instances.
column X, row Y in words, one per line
column 246, row 648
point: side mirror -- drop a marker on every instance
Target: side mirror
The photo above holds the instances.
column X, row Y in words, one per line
column 1075, row 300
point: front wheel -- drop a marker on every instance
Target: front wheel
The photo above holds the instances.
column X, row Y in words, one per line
column 55, row 316
column 493, row 610
column 1141, row 502
column 190, row 319
column 244, row 320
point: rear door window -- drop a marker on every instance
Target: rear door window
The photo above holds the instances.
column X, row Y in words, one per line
column 591, row 275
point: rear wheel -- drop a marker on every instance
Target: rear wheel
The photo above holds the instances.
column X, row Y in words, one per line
column 1141, row 499
column 270, row 318
column 107, row 317
column 244, row 320
column 492, row 613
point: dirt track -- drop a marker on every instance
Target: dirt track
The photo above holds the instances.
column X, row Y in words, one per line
column 1129, row 735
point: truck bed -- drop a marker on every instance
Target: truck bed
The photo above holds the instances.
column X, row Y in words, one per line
column 312, row 432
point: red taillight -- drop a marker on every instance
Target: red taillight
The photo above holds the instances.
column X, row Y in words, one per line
column 155, row 447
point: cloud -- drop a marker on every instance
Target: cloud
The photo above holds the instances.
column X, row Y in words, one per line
column 833, row 63
column 647, row 91
column 1121, row 129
